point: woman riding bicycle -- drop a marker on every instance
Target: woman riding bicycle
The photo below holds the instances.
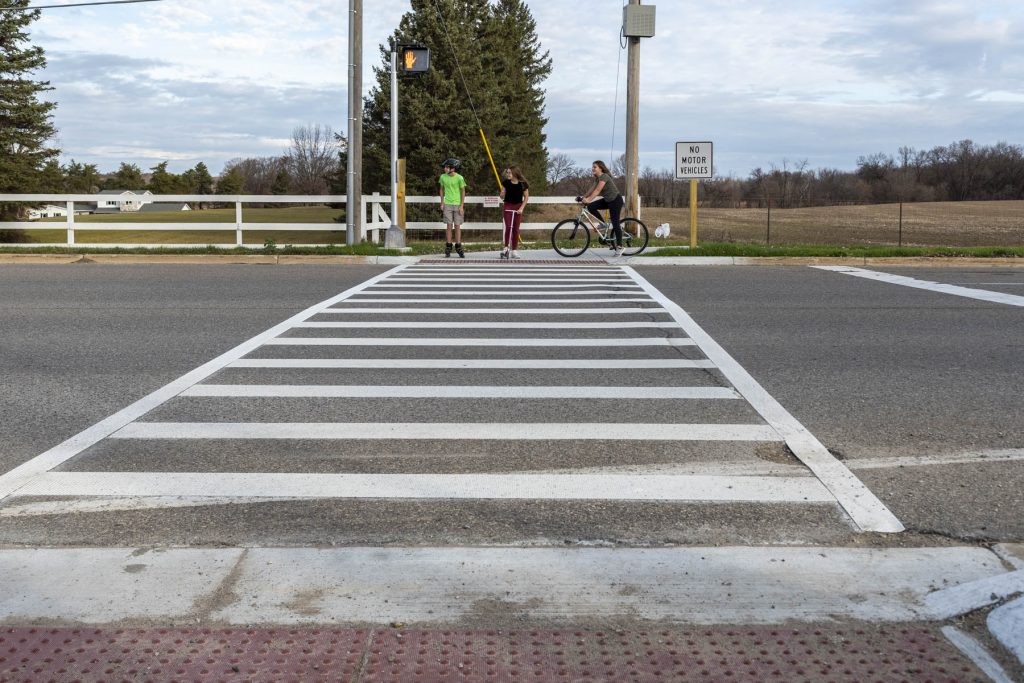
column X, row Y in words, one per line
column 605, row 195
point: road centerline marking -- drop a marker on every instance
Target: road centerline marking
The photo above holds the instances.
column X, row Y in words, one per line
column 966, row 292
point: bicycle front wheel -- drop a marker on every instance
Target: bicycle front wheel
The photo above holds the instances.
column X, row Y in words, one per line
column 570, row 237
column 634, row 236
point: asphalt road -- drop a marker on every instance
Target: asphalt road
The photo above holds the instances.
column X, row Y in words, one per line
column 874, row 370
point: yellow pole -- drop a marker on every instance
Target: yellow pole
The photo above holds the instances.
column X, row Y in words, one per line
column 693, row 213
column 401, row 195
column 493, row 167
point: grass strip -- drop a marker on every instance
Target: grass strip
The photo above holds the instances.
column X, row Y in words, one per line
column 421, row 248
column 826, row 251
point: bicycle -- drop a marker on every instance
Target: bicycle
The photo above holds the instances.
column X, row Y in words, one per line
column 571, row 237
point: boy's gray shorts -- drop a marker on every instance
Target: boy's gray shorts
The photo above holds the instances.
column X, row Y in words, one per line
column 452, row 215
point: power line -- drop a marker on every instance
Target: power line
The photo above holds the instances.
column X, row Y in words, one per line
column 78, row 4
column 455, row 56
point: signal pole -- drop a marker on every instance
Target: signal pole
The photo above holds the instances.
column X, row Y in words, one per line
column 354, row 200
column 394, row 238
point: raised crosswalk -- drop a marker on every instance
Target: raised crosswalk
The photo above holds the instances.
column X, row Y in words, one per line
column 578, row 383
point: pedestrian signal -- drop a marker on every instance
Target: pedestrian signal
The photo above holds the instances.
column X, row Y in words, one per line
column 413, row 60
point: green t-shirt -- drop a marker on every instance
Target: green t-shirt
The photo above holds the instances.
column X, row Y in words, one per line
column 610, row 191
column 452, row 185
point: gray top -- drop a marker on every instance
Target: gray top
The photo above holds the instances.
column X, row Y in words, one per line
column 610, row 192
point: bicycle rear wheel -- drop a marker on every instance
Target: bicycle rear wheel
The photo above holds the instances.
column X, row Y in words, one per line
column 570, row 237
column 634, row 236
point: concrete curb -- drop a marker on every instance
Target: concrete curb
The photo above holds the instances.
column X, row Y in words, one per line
column 291, row 260
column 919, row 261
column 203, row 259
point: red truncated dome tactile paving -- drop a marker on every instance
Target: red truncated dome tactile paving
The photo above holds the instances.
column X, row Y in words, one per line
column 811, row 655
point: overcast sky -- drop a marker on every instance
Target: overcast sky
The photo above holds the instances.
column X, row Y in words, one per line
column 766, row 81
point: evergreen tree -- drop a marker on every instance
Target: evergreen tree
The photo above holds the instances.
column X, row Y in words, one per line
column 163, row 181
column 81, row 178
column 282, row 183
column 523, row 66
column 231, row 182
column 203, row 183
column 51, row 178
column 437, row 118
column 127, row 177
column 25, row 121
column 197, row 181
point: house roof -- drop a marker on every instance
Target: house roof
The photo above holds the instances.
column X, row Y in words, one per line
column 164, row 206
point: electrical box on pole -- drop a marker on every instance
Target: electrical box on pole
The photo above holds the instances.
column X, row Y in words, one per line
column 413, row 60
column 638, row 21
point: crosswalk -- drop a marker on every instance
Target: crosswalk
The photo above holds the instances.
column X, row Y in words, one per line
column 530, row 382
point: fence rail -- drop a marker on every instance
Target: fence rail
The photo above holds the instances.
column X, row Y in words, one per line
column 375, row 218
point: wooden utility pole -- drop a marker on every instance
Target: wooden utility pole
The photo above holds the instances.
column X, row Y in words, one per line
column 354, row 201
column 633, row 125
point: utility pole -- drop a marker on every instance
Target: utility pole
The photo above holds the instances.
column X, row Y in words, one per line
column 354, row 201
column 632, row 125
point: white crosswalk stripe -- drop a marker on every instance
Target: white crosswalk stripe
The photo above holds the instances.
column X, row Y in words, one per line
column 685, row 371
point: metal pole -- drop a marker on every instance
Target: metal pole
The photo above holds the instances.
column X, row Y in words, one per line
column 693, row 213
column 394, row 238
column 353, row 203
column 632, row 125
column 900, row 243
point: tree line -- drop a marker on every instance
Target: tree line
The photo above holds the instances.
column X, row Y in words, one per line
column 487, row 71
column 961, row 171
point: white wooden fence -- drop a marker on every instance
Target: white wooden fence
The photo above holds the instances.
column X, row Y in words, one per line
column 375, row 218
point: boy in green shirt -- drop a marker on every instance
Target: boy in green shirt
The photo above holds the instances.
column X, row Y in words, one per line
column 453, row 205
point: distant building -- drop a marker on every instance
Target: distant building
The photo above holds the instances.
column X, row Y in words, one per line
column 110, row 201
column 164, row 206
column 122, row 200
column 60, row 210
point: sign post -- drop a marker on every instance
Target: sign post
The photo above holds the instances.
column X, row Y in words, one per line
column 694, row 160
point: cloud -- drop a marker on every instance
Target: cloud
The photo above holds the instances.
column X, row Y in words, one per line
column 194, row 80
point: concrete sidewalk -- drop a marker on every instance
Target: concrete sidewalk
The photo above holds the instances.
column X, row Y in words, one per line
column 486, row 614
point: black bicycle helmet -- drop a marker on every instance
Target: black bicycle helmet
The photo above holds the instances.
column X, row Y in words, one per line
column 451, row 163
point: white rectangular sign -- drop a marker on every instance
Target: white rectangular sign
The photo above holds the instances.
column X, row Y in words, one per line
column 694, row 160
column 492, row 202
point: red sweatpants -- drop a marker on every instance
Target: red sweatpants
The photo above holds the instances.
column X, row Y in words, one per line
column 510, row 236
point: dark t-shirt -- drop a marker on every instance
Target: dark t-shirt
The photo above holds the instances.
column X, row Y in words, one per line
column 514, row 192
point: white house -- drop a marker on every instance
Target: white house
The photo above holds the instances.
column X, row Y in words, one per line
column 123, row 200
column 60, row 210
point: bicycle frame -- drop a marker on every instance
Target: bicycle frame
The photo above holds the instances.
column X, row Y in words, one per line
column 595, row 223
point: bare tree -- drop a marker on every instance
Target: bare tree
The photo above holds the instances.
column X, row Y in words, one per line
column 259, row 173
column 560, row 167
column 312, row 159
